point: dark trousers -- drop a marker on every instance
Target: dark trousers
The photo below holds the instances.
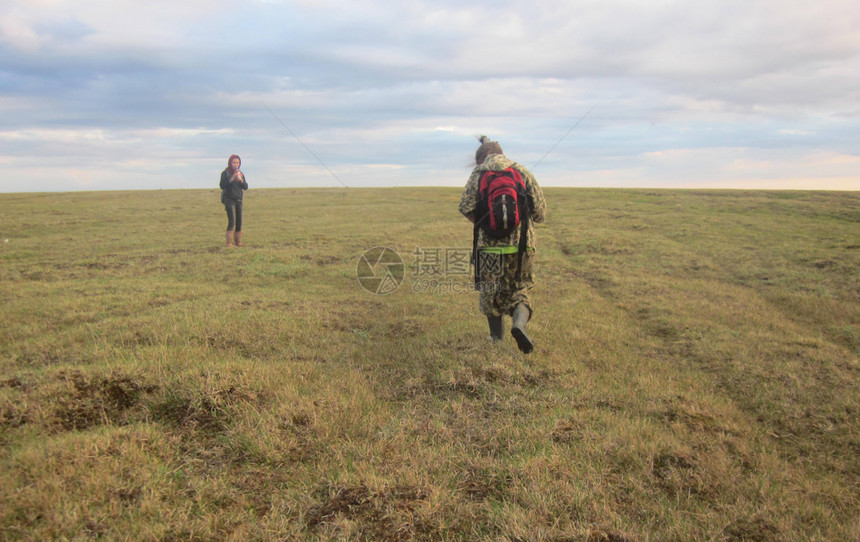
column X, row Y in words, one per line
column 234, row 214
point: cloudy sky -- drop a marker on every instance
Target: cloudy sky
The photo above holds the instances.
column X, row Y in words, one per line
column 151, row 94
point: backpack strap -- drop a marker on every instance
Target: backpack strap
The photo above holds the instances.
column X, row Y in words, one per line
column 482, row 210
column 525, row 211
column 475, row 258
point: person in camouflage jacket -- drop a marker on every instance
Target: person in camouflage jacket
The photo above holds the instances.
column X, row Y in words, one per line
column 502, row 290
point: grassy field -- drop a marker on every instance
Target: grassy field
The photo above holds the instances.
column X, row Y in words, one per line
column 695, row 376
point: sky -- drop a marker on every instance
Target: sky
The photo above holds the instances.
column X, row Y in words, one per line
column 152, row 94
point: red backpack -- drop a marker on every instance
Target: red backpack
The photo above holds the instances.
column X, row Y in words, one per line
column 500, row 194
column 502, row 206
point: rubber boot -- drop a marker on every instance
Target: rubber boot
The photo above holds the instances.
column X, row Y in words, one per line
column 495, row 328
column 238, row 239
column 229, row 238
column 521, row 317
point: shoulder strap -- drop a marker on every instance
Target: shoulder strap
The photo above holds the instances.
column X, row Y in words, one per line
column 475, row 258
column 525, row 212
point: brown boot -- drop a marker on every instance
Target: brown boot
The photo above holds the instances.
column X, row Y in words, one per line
column 238, row 238
column 229, row 238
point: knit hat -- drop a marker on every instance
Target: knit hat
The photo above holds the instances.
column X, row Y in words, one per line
column 487, row 148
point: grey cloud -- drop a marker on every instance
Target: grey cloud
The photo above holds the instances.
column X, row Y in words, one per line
column 371, row 81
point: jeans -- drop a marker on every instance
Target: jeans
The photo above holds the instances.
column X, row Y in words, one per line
column 234, row 214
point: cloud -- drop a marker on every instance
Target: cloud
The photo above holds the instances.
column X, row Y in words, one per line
column 381, row 90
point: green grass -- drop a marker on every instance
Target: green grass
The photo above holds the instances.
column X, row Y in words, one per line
column 695, row 377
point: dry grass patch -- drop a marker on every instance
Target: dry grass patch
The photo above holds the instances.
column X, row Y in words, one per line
column 694, row 378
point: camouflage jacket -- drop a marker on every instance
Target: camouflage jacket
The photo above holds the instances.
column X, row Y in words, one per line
column 469, row 200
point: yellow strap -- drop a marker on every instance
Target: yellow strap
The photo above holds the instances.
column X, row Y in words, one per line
column 499, row 250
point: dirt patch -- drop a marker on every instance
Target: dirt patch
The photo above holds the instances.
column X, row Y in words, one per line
column 207, row 412
column 824, row 264
column 666, row 464
column 679, row 474
column 346, row 500
column 12, row 416
column 129, row 495
column 480, row 483
column 569, row 432
column 187, row 412
column 14, row 383
column 91, row 402
column 601, row 535
column 753, row 530
column 298, row 432
column 386, row 515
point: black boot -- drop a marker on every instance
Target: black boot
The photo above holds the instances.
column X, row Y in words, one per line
column 521, row 317
column 495, row 327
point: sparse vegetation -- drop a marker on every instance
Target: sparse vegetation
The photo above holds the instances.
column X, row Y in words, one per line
column 695, row 377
